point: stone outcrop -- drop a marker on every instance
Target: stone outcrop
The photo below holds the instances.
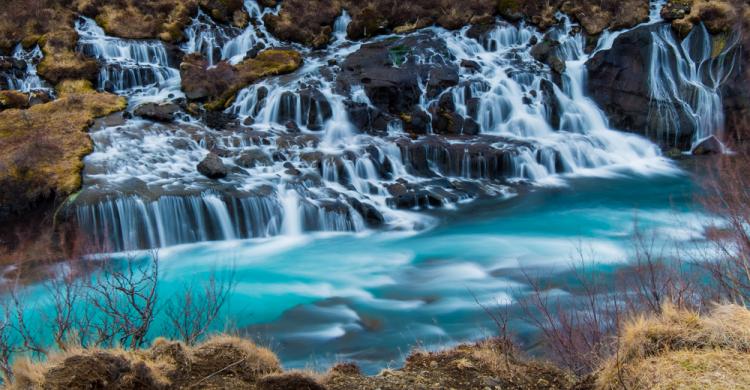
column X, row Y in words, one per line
column 219, row 83
column 46, row 143
column 618, row 80
column 212, row 167
column 311, row 22
column 159, row 112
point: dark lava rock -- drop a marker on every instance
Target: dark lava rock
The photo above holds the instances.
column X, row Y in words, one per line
column 440, row 79
column 373, row 218
column 708, row 146
column 544, row 52
column 253, row 158
column 617, row 82
column 314, row 106
column 416, row 121
column 291, row 127
column 551, row 103
column 212, row 167
column 159, row 112
column 471, row 65
column 390, row 73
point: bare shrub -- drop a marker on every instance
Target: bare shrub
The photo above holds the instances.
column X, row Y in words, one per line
column 192, row 311
column 124, row 295
column 576, row 329
column 728, row 196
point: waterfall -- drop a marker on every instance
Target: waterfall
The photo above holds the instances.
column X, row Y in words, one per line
column 339, row 27
column 26, row 79
column 140, row 69
column 302, row 163
column 206, row 37
column 218, row 42
column 518, row 103
column 685, row 80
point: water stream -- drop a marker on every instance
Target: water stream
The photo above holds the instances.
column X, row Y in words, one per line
column 333, row 262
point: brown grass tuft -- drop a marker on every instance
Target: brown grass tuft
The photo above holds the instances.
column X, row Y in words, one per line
column 679, row 337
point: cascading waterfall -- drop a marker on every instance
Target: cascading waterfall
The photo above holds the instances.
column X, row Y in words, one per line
column 218, row 42
column 24, row 78
column 517, row 104
column 685, row 79
column 301, row 164
column 139, row 69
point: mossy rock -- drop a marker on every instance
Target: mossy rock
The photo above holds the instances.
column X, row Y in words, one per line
column 45, row 144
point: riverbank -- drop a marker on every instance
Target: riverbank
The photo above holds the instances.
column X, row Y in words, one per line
column 674, row 349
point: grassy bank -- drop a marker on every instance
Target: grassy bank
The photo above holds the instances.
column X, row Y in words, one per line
column 675, row 349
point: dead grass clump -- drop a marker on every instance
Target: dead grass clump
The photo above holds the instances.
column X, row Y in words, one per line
column 691, row 369
column 220, row 362
column 490, row 363
column 221, row 82
column 172, row 358
column 719, row 16
column 226, row 357
column 92, row 369
column 724, row 331
column 289, row 380
column 13, row 99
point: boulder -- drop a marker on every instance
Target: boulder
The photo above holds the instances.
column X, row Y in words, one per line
column 708, row 146
column 212, row 167
column 471, row 65
column 440, row 79
column 13, row 99
column 159, row 112
column 253, row 158
column 416, row 121
column 544, row 52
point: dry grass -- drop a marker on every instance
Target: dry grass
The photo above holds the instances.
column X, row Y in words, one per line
column 699, row 370
column 719, row 16
column 163, row 19
column 680, row 338
column 221, row 82
column 43, row 146
column 220, row 362
column 310, row 22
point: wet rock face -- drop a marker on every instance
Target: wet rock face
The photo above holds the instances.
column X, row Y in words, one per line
column 544, row 52
column 212, row 167
column 312, row 105
column 387, row 72
column 617, row 80
column 159, row 112
column 390, row 74
column 708, row 146
column 618, row 83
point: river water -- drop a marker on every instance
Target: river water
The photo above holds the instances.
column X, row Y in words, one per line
column 370, row 297
column 315, row 279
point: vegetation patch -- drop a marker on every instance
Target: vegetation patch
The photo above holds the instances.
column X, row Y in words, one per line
column 43, row 146
column 681, row 349
column 218, row 84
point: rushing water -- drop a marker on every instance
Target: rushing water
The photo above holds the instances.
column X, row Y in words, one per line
column 141, row 188
column 370, row 298
column 328, row 265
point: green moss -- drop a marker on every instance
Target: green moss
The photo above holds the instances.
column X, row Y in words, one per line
column 718, row 44
column 398, row 54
